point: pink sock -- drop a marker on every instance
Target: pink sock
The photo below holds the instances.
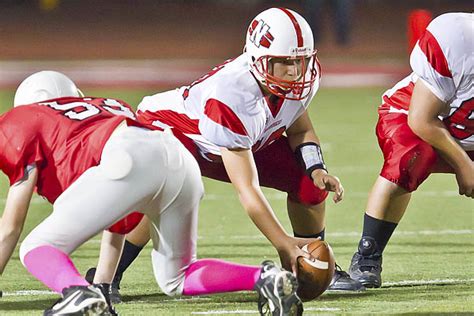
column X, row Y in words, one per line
column 53, row 267
column 208, row 276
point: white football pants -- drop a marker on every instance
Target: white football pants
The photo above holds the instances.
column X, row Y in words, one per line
column 140, row 170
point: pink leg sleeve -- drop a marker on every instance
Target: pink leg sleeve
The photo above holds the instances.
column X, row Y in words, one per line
column 208, row 276
column 53, row 267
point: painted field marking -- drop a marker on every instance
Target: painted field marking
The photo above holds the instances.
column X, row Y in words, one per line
column 219, row 312
column 29, row 293
column 408, row 283
column 402, row 283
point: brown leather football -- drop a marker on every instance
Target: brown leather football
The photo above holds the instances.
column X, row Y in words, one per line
column 314, row 276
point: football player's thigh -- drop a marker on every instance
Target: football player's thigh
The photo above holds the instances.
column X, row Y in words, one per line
column 277, row 166
column 174, row 218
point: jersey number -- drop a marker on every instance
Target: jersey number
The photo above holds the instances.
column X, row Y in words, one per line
column 82, row 110
column 461, row 123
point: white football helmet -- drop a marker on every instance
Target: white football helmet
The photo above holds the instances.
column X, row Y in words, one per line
column 45, row 85
column 282, row 33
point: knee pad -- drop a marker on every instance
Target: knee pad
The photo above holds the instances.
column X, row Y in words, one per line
column 415, row 166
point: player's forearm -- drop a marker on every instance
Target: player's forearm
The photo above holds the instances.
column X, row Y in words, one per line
column 304, row 137
column 301, row 131
column 435, row 134
column 9, row 237
column 263, row 217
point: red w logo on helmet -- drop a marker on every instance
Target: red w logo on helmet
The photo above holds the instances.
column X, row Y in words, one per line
column 259, row 34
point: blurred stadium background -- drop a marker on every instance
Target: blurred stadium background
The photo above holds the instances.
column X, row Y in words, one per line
column 131, row 48
column 169, row 43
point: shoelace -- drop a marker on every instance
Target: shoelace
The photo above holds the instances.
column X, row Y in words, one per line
column 340, row 271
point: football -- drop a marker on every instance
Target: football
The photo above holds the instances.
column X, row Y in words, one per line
column 315, row 274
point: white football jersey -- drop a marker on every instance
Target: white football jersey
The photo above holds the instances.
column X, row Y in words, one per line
column 224, row 108
column 444, row 59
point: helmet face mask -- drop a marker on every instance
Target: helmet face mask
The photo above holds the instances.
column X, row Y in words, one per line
column 280, row 53
column 298, row 85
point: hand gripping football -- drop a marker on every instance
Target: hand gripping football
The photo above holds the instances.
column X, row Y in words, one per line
column 315, row 274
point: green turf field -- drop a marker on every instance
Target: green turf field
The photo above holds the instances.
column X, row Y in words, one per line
column 428, row 266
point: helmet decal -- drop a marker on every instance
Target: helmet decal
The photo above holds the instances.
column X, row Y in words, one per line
column 260, row 34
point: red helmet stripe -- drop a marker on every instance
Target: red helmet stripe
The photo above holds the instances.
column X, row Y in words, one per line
column 299, row 34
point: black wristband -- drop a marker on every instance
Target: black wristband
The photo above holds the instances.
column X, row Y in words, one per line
column 310, row 157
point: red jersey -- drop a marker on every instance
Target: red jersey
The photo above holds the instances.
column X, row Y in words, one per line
column 64, row 137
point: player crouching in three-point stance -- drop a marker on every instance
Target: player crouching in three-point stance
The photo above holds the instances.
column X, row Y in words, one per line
column 234, row 119
column 426, row 125
column 96, row 164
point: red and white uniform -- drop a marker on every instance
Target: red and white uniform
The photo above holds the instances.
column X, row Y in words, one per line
column 227, row 108
column 52, row 131
column 96, row 171
column 62, row 137
column 443, row 60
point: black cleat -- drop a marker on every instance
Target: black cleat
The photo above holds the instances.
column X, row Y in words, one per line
column 366, row 264
column 105, row 288
column 79, row 301
column 341, row 281
column 276, row 290
column 114, row 293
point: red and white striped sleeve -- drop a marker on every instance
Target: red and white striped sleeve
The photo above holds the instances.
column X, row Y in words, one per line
column 429, row 59
column 224, row 127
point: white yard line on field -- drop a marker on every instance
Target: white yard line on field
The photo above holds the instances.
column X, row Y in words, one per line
column 408, row 283
column 222, row 312
column 402, row 283
column 29, row 293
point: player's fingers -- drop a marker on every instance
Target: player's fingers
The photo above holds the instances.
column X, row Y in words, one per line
column 339, row 194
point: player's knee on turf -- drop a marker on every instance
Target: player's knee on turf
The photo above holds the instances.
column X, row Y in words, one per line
column 169, row 279
column 415, row 166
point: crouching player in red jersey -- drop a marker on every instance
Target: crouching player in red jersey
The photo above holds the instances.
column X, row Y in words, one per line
column 426, row 125
column 96, row 165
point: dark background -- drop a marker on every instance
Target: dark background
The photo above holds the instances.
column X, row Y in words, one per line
column 145, row 29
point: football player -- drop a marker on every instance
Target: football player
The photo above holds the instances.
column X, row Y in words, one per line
column 235, row 118
column 425, row 126
column 95, row 164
